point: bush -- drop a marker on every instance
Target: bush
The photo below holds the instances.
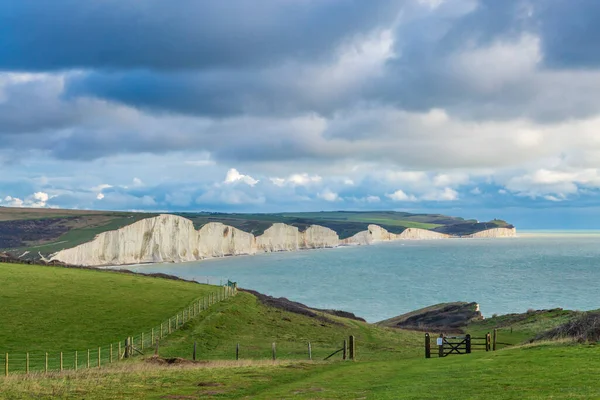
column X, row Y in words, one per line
column 585, row 328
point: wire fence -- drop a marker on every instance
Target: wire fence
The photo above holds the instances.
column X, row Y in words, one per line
column 112, row 352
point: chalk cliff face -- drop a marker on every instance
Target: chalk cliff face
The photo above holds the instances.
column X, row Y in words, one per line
column 317, row 237
column 219, row 240
column 421, row 234
column 279, row 237
column 495, row 233
column 359, row 239
column 162, row 238
column 170, row 238
column 375, row 233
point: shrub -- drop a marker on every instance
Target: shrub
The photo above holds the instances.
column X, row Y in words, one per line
column 582, row 329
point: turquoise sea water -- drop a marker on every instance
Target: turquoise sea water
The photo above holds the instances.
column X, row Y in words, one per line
column 537, row 270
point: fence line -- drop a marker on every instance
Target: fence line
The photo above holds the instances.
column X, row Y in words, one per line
column 116, row 351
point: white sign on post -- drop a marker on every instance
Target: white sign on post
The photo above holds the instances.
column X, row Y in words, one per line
column 440, row 341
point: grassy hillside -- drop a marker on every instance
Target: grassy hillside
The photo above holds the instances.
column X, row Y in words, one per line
column 557, row 371
column 255, row 326
column 519, row 328
column 46, row 231
column 49, row 307
column 59, row 309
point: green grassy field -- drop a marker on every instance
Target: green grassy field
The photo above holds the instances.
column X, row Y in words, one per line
column 59, row 309
column 519, row 328
column 556, row 371
column 244, row 320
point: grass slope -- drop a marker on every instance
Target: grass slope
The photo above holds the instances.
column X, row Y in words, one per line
column 534, row 372
column 52, row 306
column 60, row 309
column 245, row 320
column 519, row 328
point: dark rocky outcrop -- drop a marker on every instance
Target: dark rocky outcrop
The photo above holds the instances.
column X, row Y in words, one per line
column 445, row 317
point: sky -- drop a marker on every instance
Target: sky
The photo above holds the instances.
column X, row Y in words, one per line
column 475, row 108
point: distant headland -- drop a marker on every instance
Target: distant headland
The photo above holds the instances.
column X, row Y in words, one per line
column 98, row 238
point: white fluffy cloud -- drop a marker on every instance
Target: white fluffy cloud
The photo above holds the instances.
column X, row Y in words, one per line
column 399, row 195
column 297, row 180
column 233, row 176
column 36, row 200
column 446, row 194
column 329, row 195
column 554, row 185
column 445, row 103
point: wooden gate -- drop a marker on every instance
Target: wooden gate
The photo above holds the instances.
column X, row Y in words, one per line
column 447, row 345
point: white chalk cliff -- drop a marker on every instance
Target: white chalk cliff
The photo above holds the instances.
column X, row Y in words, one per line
column 494, row 233
column 375, row 233
column 170, row 238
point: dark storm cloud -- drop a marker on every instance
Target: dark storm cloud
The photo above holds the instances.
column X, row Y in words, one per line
column 426, row 73
column 183, row 34
column 218, row 93
column 570, row 32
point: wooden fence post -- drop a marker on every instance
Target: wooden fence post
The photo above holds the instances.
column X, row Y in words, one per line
column 177, row 321
column 352, row 344
column 274, row 350
column 169, row 326
column 487, row 342
column 46, row 364
column 494, row 342
column 6, row 364
column 161, row 331
column 88, row 358
column 237, row 351
column 126, row 355
column 142, row 342
column 111, row 355
column 98, row 357
column 61, row 361
column 441, row 346
column 345, row 350
column 76, row 362
column 309, row 352
column 427, row 346
column 468, row 343
column 194, row 354
column 27, row 363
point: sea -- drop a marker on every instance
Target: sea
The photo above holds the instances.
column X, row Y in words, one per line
column 537, row 270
